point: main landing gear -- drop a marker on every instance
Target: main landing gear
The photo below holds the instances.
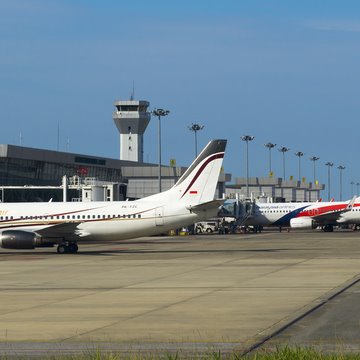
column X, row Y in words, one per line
column 67, row 248
column 328, row 228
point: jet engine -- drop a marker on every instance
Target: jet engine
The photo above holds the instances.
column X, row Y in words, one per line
column 303, row 223
column 18, row 239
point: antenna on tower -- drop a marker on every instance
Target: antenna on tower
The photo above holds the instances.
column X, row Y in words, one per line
column 132, row 96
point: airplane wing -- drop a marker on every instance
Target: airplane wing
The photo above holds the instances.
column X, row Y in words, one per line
column 66, row 230
column 332, row 216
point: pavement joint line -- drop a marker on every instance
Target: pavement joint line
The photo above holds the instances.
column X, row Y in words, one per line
column 278, row 328
column 128, row 286
column 146, row 313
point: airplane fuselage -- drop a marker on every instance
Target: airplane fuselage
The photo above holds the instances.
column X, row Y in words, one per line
column 98, row 221
column 306, row 214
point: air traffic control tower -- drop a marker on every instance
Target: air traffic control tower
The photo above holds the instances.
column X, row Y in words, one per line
column 131, row 118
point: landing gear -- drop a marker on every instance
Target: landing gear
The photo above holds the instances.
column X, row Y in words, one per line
column 67, row 248
column 328, row 228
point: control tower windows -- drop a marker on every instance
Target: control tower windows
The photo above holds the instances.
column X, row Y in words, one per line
column 127, row 107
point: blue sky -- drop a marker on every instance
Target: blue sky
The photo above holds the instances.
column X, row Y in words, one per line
column 284, row 71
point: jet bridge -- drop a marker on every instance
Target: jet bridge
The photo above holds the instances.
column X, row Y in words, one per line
column 241, row 210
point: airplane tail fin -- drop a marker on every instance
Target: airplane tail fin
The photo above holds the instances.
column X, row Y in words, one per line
column 198, row 184
column 351, row 203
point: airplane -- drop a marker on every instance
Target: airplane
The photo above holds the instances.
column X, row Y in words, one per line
column 191, row 199
column 305, row 215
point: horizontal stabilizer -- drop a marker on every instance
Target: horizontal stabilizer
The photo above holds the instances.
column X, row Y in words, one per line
column 214, row 204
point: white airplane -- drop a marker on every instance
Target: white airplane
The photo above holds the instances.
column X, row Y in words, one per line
column 306, row 215
column 191, row 199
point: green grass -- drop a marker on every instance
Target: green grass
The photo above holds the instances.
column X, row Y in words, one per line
column 283, row 353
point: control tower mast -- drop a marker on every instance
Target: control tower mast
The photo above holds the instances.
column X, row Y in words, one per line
column 131, row 118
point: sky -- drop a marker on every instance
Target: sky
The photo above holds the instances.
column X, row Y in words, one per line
column 286, row 72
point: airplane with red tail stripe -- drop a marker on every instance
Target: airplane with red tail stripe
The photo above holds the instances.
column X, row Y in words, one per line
column 191, row 199
column 305, row 215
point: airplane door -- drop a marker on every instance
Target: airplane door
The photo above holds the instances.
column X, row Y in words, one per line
column 159, row 216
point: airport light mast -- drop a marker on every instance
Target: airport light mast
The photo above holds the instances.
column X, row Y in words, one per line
column 352, row 188
column 247, row 138
column 314, row 159
column 159, row 113
column 270, row 145
column 341, row 168
column 284, row 149
column 195, row 128
column 299, row 154
column 329, row 165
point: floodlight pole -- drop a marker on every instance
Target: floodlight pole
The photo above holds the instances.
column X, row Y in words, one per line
column 269, row 145
column 284, row 150
column 159, row 113
column 314, row 159
column 341, row 168
column 299, row 154
column 195, row 128
column 247, row 138
column 329, row 165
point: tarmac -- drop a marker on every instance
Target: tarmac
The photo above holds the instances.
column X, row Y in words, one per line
column 200, row 293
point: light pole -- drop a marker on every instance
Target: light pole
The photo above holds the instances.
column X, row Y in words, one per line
column 284, row 150
column 329, row 165
column 352, row 188
column 314, row 159
column 247, row 138
column 357, row 188
column 159, row 113
column 195, row 128
column 270, row 145
column 299, row 154
column 341, row 168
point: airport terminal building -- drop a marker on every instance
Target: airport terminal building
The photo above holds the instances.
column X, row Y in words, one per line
column 30, row 174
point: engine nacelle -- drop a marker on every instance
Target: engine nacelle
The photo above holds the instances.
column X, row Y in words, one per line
column 17, row 239
column 303, row 223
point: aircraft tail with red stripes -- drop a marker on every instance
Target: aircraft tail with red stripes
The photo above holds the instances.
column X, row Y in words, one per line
column 198, row 184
